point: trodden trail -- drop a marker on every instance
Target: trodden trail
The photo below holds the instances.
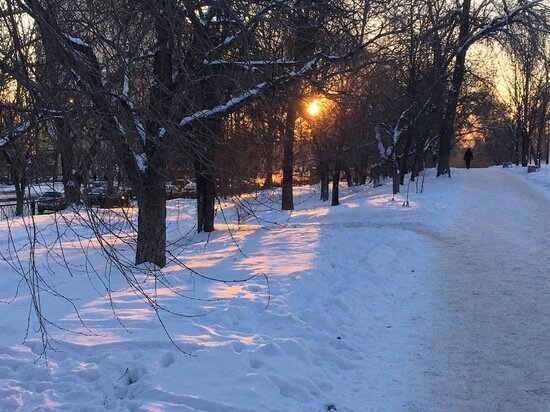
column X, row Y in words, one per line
column 485, row 321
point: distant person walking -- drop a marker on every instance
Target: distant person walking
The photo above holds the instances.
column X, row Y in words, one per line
column 468, row 157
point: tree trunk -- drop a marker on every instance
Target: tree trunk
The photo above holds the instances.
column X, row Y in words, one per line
column 395, row 182
column 418, row 162
column 347, row 173
column 543, row 119
column 18, row 179
column 446, row 130
column 206, row 136
column 336, row 184
column 524, row 128
column 525, row 139
column 324, row 172
column 206, row 196
column 58, row 97
column 68, row 164
column 404, row 167
column 288, row 155
column 548, row 148
column 517, row 142
column 395, row 176
column 20, row 184
column 360, row 175
column 268, row 182
column 151, row 241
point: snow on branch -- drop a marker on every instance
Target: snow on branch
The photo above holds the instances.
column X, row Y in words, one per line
column 141, row 162
column 516, row 15
column 221, row 109
column 250, row 65
column 398, row 129
column 125, row 81
column 18, row 131
column 380, row 146
column 309, row 66
column 120, row 127
column 129, row 105
column 253, row 64
column 249, row 94
column 26, row 126
column 76, row 41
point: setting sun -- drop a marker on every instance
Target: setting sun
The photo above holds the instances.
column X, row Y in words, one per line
column 314, row 108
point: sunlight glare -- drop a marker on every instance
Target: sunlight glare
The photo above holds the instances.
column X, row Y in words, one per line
column 314, row 108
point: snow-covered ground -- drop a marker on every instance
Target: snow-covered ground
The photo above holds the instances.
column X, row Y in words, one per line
column 369, row 306
column 35, row 190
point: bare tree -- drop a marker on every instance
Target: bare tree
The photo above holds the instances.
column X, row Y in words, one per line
column 528, row 89
column 475, row 25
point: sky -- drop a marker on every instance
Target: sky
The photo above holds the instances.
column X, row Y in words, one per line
column 367, row 306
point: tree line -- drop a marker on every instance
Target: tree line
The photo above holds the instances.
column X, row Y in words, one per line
column 144, row 92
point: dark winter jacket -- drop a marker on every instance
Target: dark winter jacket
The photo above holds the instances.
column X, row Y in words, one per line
column 468, row 156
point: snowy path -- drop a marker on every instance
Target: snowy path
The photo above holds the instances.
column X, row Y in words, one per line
column 486, row 316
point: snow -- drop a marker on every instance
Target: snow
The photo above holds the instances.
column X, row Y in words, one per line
column 141, row 162
column 226, row 107
column 250, row 63
column 141, row 129
column 125, row 86
column 540, row 179
column 120, row 127
column 76, row 40
column 306, row 67
column 368, row 306
column 20, row 129
column 162, row 132
column 34, row 191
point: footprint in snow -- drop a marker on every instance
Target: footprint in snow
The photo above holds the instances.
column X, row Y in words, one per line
column 256, row 363
column 168, row 359
column 88, row 374
column 238, row 346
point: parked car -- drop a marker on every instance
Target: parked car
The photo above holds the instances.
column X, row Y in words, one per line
column 99, row 195
column 181, row 188
column 190, row 190
column 54, row 201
